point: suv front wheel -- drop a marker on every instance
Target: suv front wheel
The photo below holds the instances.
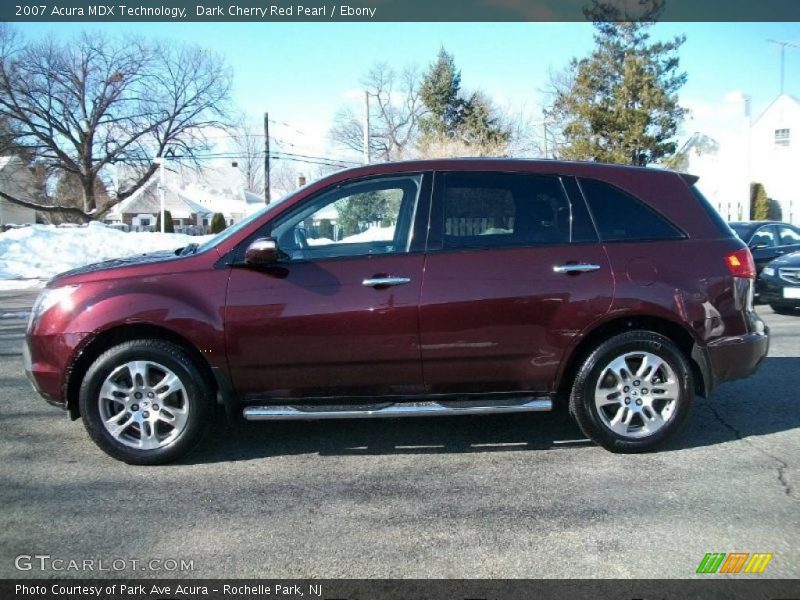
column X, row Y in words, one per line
column 632, row 392
column 144, row 402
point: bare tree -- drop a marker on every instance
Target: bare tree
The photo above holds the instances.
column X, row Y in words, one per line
column 93, row 104
column 248, row 144
column 395, row 109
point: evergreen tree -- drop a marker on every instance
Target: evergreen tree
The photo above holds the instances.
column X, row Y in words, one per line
column 451, row 119
column 620, row 105
column 759, row 203
column 217, row 223
column 169, row 227
column 479, row 125
column 440, row 93
column 359, row 211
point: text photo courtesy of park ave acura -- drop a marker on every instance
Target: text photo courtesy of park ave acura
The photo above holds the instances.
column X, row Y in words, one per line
column 397, row 300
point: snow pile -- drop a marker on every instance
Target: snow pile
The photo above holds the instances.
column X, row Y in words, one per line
column 373, row 234
column 41, row 251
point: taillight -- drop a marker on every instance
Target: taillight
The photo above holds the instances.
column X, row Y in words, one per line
column 741, row 264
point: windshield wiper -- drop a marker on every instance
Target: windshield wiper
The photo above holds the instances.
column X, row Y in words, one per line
column 190, row 249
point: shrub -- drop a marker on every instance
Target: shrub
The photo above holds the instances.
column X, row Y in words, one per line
column 217, row 223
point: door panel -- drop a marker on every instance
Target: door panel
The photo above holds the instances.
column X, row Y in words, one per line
column 314, row 324
column 501, row 320
column 314, row 329
column 494, row 314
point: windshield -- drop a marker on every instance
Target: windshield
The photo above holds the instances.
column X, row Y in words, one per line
column 236, row 227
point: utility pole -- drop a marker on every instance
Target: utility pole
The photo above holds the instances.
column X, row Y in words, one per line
column 366, row 128
column 162, row 182
column 267, row 197
column 783, row 46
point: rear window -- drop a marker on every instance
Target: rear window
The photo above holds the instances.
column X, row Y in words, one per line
column 622, row 218
column 715, row 217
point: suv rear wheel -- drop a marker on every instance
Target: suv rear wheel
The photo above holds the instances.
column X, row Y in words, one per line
column 144, row 402
column 632, row 392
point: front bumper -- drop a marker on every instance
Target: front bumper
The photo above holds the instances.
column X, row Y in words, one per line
column 44, row 380
column 770, row 291
column 47, row 358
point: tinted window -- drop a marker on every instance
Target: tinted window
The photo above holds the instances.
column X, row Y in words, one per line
column 788, row 236
column 764, row 236
column 621, row 218
column 503, row 209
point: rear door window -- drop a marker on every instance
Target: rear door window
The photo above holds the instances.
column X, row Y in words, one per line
column 496, row 210
column 620, row 217
column 788, row 236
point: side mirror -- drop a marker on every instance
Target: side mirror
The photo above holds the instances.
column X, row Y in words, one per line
column 262, row 252
column 758, row 246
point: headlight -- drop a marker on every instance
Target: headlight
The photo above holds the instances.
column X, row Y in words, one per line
column 49, row 298
column 768, row 271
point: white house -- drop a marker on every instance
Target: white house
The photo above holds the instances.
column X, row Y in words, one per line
column 16, row 180
column 140, row 211
column 765, row 150
column 775, row 154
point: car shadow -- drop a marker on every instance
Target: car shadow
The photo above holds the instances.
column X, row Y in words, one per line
column 763, row 404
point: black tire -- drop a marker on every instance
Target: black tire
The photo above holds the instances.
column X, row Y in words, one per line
column 198, row 398
column 783, row 309
column 586, row 413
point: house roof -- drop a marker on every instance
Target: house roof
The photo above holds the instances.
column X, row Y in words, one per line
column 777, row 99
column 147, row 200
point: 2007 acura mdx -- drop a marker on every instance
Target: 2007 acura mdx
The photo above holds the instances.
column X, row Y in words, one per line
column 470, row 286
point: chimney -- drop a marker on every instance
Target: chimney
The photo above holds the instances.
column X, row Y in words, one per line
column 301, row 180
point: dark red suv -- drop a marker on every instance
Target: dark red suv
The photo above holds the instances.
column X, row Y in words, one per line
column 469, row 286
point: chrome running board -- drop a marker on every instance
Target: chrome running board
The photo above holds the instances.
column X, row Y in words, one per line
column 287, row 412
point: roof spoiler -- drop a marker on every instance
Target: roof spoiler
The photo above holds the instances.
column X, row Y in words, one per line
column 689, row 179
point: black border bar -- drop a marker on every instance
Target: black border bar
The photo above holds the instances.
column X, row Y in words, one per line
column 710, row 588
column 276, row 11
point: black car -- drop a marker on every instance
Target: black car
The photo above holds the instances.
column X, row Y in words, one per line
column 767, row 239
column 779, row 284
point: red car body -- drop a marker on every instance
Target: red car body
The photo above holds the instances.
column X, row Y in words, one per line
column 470, row 321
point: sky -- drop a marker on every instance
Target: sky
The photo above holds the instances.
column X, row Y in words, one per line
column 302, row 73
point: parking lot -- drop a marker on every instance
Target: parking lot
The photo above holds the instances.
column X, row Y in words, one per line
column 503, row 496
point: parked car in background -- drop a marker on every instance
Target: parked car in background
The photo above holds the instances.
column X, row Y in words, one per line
column 767, row 240
column 471, row 286
column 779, row 284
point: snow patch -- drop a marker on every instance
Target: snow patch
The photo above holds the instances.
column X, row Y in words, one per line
column 42, row 251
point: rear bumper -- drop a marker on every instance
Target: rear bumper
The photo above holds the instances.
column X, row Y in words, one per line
column 736, row 357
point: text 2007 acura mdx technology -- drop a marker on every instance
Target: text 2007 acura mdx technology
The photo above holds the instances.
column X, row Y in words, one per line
column 421, row 288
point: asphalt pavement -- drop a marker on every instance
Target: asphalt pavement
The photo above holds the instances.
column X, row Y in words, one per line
column 503, row 496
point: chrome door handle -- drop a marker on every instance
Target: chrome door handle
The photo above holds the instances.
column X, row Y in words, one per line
column 577, row 268
column 385, row 281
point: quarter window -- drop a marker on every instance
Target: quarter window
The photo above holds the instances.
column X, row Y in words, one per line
column 490, row 210
column 622, row 218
